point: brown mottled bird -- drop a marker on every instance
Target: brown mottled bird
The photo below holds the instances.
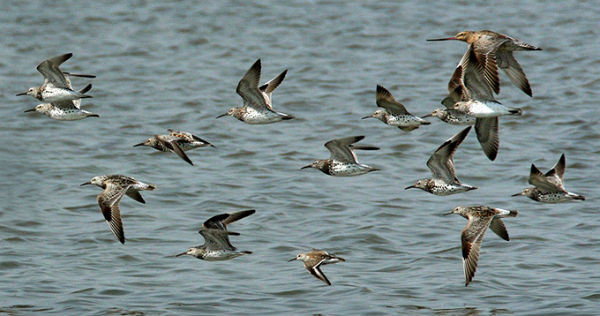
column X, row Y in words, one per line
column 115, row 186
column 479, row 219
column 493, row 50
column 313, row 261
column 549, row 187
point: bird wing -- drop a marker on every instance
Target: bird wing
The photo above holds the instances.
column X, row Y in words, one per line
column 479, row 75
column 52, row 74
column 507, row 62
column 267, row 88
column 537, row 179
column 216, row 239
column 136, row 195
column 471, row 237
column 109, row 205
column 340, row 148
column 248, row 88
column 487, row 135
column 498, row 227
column 484, row 53
column 441, row 163
column 556, row 174
column 385, row 100
column 214, row 230
column 316, row 271
column 173, row 146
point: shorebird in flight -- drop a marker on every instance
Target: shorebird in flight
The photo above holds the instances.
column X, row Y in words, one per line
column 394, row 113
column 479, row 219
column 258, row 108
column 115, row 186
column 216, row 245
column 493, row 50
column 343, row 161
column 469, row 93
column 313, row 261
column 57, row 86
column 69, row 110
column 177, row 142
column 549, row 187
column 441, row 163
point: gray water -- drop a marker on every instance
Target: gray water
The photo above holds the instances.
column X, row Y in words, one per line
column 176, row 65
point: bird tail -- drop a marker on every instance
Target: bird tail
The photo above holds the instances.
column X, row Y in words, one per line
column 513, row 213
column 578, row 197
column 151, row 187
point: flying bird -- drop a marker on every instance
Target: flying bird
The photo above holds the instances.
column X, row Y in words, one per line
column 479, row 219
column 115, row 186
column 314, row 259
column 549, row 187
column 258, row 107
column 216, row 245
column 343, row 161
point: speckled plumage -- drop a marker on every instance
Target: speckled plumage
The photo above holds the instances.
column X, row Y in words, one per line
column 343, row 161
column 115, row 186
column 258, row 108
column 453, row 117
column 56, row 86
column 65, row 110
column 479, row 219
column 394, row 113
column 444, row 181
column 216, row 245
column 176, row 142
column 549, row 187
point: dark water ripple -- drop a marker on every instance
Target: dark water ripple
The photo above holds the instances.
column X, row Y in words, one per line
column 176, row 65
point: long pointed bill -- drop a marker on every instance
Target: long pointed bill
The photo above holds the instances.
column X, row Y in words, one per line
column 222, row 115
column 292, row 259
column 428, row 115
column 181, row 254
column 86, row 183
column 362, row 118
column 30, row 110
column 449, row 213
column 442, row 39
column 140, row 144
column 22, row 93
column 309, row 166
column 517, row 194
column 410, row 187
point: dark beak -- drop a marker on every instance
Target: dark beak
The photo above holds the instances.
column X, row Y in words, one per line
column 309, row 166
column 362, row 118
column 517, row 194
column 181, row 254
column 410, row 187
column 449, row 213
column 86, row 183
column 30, row 110
column 428, row 115
column 22, row 93
column 220, row 116
column 442, row 39
column 292, row 259
column 140, row 144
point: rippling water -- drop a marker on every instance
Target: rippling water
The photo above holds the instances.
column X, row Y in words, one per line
column 176, row 65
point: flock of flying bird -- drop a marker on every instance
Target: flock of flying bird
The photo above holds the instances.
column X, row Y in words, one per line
column 470, row 101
